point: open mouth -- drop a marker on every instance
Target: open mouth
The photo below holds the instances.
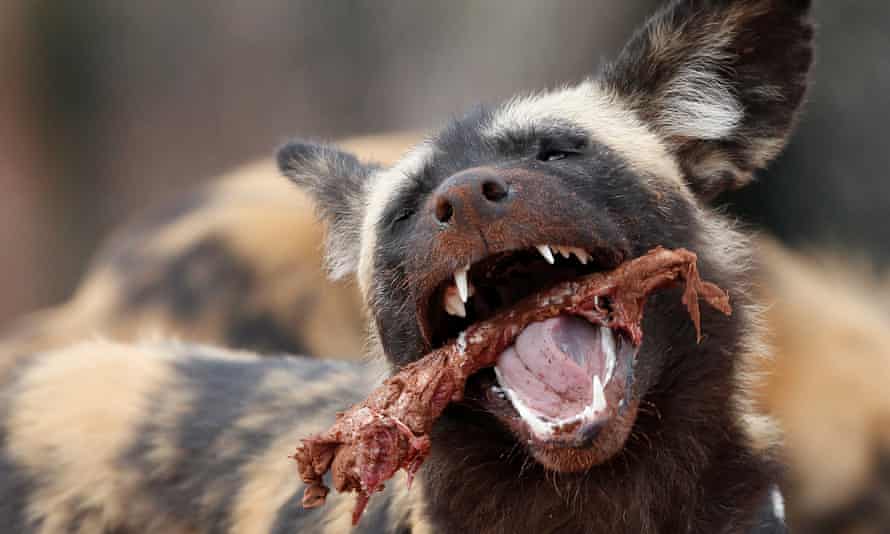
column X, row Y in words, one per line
column 543, row 355
column 563, row 378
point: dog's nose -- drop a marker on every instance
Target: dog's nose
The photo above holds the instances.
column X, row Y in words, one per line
column 474, row 195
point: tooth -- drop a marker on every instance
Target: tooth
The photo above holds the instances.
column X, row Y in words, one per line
column 599, row 396
column 460, row 280
column 453, row 304
column 565, row 252
column 545, row 251
column 607, row 341
column 582, row 254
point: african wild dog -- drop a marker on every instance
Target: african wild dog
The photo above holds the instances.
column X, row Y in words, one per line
column 233, row 262
column 179, row 438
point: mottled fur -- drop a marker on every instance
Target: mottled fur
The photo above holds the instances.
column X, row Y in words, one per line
column 845, row 369
column 173, row 438
column 236, row 262
column 833, row 496
column 215, row 503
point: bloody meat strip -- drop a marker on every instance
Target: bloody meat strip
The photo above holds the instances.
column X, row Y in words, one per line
column 389, row 430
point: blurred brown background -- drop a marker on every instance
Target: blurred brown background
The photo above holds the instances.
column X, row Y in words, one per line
column 109, row 106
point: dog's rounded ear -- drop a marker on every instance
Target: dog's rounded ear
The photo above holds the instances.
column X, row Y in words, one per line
column 720, row 81
column 336, row 182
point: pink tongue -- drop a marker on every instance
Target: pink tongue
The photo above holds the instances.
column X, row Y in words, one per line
column 552, row 364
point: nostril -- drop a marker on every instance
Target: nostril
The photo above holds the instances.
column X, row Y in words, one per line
column 444, row 210
column 494, row 190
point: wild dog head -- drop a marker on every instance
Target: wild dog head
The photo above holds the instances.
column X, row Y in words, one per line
column 516, row 197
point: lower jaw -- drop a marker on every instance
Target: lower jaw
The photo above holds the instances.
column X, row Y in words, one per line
column 562, row 455
column 608, row 442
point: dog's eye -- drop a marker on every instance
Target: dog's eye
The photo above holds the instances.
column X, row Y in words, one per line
column 552, row 154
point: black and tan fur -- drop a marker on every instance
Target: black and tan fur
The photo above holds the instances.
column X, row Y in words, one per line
column 236, row 262
column 163, row 437
column 847, row 378
column 175, row 389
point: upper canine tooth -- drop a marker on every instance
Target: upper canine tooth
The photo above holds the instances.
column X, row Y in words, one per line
column 599, row 396
column 545, row 251
column 460, row 280
column 453, row 304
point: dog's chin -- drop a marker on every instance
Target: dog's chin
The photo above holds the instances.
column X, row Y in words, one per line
column 575, row 448
column 608, row 443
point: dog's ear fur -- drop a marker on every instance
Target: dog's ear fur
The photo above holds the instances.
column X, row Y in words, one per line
column 336, row 182
column 720, row 81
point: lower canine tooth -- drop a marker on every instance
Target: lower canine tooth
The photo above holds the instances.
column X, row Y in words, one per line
column 599, row 396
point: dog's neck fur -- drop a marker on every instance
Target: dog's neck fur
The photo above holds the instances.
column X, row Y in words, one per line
column 667, row 481
column 696, row 487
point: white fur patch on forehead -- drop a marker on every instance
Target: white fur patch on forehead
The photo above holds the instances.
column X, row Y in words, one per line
column 602, row 114
column 382, row 187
